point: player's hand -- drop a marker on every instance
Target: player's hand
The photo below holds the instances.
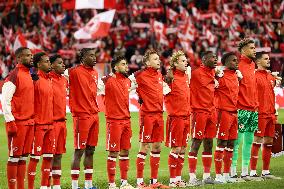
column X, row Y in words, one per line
column 216, row 83
column 11, row 128
column 239, row 74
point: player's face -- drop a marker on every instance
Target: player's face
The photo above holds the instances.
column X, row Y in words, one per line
column 122, row 67
column 26, row 58
column 264, row 61
column 90, row 58
column 232, row 62
column 58, row 66
column 249, row 50
column 154, row 61
column 181, row 63
column 44, row 64
column 211, row 60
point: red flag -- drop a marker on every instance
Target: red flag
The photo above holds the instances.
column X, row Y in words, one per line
column 97, row 27
column 183, row 13
column 216, row 19
column 267, row 5
column 160, row 32
column 209, row 36
column 21, row 41
column 270, row 32
column 172, row 15
column 248, row 10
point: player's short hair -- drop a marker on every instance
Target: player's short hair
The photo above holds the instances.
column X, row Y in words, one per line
column 225, row 57
column 175, row 56
column 83, row 52
column 205, row 54
column 115, row 61
column 244, row 42
column 37, row 58
column 54, row 57
column 19, row 51
column 259, row 55
column 147, row 54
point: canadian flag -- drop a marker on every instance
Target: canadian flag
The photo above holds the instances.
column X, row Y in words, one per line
column 160, row 31
column 216, row 19
column 226, row 20
column 183, row 13
column 21, row 41
column 195, row 13
column 172, row 15
column 209, row 36
column 259, row 5
column 189, row 31
column 95, row 4
column 248, row 10
column 97, row 27
column 270, row 32
column 267, row 5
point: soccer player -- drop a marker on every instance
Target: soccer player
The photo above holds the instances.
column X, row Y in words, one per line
column 178, row 120
column 150, row 92
column 266, row 117
column 18, row 109
column 118, row 129
column 227, row 126
column 203, row 117
column 83, row 85
column 247, row 105
column 44, row 140
column 59, row 85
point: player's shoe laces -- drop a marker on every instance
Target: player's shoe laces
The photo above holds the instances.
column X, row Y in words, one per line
column 142, row 186
column 209, row 180
column 194, row 182
column 255, row 177
column 126, row 186
column 158, row 185
column 270, row 176
column 237, row 179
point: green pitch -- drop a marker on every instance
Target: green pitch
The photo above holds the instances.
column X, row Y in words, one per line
column 100, row 174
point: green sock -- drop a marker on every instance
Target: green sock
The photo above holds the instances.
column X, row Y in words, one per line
column 236, row 149
column 246, row 151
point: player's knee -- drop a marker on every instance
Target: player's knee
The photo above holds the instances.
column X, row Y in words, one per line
column 57, row 158
column 113, row 154
column 145, row 147
column 208, row 145
column 195, row 145
column 89, row 151
column 230, row 144
column 156, row 147
column 222, row 143
column 124, row 152
column 268, row 140
column 176, row 150
column 78, row 153
column 258, row 139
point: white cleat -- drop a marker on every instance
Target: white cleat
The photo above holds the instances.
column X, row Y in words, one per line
column 194, row 182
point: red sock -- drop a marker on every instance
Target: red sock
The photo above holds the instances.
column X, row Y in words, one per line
column 254, row 156
column 266, row 155
column 140, row 164
column 75, row 173
column 88, row 173
column 56, row 175
column 227, row 159
column 12, row 172
column 172, row 163
column 218, row 159
column 49, row 179
column 32, row 171
column 111, row 166
column 45, row 169
column 207, row 161
column 154, row 164
column 180, row 164
column 192, row 162
column 21, row 173
column 124, row 166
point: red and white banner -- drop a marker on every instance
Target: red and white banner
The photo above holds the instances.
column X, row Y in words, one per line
column 95, row 4
column 97, row 27
column 270, row 32
column 172, row 15
column 160, row 31
column 21, row 41
column 209, row 36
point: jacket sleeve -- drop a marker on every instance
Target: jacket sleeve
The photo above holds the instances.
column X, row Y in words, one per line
column 8, row 91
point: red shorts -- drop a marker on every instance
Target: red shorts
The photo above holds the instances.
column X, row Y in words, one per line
column 86, row 131
column 60, row 136
column 118, row 135
column 227, row 127
column 21, row 144
column 177, row 132
column 203, row 125
column 44, row 140
column 266, row 127
column 151, row 128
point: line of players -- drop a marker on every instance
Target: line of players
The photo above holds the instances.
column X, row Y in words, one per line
column 209, row 104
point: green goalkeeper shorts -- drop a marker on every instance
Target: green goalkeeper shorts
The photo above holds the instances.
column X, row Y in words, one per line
column 247, row 121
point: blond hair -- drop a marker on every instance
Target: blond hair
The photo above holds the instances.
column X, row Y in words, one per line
column 244, row 42
column 147, row 55
column 174, row 57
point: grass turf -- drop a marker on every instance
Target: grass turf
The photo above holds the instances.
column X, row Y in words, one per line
column 100, row 174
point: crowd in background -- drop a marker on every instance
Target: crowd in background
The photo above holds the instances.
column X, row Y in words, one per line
column 51, row 26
